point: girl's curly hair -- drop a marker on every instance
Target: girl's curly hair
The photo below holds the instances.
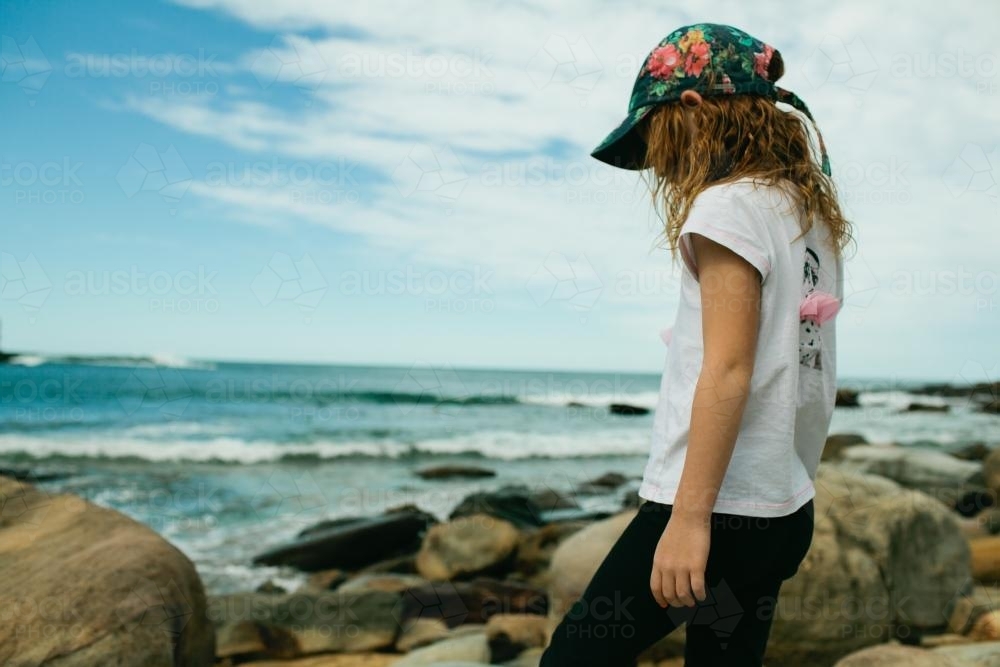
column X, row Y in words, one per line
column 729, row 138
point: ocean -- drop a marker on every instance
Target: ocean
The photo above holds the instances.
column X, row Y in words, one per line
column 228, row 459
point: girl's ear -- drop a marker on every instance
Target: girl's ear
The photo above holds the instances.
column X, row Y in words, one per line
column 691, row 99
column 775, row 68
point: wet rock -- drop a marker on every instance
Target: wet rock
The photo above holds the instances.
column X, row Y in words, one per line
column 926, row 407
column 513, row 504
column 352, row 543
column 628, row 410
column 847, row 398
column 454, row 471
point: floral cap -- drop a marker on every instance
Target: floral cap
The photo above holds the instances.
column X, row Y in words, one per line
column 738, row 63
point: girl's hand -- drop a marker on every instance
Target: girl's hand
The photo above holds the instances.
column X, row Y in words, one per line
column 678, row 577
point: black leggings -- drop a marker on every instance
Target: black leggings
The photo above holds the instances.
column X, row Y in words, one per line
column 617, row 617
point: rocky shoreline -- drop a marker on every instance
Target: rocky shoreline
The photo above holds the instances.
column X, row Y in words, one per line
column 903, row 570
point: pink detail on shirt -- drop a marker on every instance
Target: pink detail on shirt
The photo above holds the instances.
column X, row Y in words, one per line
column 819, row 306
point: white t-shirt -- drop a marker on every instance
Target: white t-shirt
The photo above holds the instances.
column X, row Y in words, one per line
column 793, row 387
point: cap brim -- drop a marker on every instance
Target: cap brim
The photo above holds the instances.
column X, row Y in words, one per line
column 623, row 147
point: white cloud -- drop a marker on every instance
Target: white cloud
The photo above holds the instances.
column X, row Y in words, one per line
column 458, row 77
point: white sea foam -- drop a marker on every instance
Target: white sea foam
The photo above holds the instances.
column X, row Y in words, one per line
column 501, row 445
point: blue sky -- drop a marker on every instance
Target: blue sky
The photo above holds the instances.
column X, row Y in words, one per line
column 370, row 183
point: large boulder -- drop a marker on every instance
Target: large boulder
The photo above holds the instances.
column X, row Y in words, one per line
column 476, row 544
column 351, row 543
column 577, row 558
column 882, row 558
column 936, row 473
column 84, row 585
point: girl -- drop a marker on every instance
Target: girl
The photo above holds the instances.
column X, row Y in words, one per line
column 750, row 378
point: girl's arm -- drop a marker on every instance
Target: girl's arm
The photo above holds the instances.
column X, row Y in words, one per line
column 730, row 301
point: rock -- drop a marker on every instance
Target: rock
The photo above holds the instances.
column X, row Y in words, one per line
column 899, row 551
column 510, row 634
column 628, row 410
column 837, row 443
column 467, row 649
column 977, row 451
column 85, row 585
column 388, row 582
column 34, row 476
column 985, row 654
column 534, row 551
column 463, row 602
column 325, row 580
column 969, row 608
column 270, row 587
column 351, row 543
column 452, row 471
column 986, row 627
column 400, row 564
column 421, row 632
column 577, row 558
column 894, row 655
column 529, row 658
column 926, row 407
column 609, row 481
column 512, row 503
column 935, row 473
column 548, row 499
column 991, row 471
column 990, row 407
column 330, row 660
column 847, row 398
column 252, row 625
column 477, row 544
column 972, row 503
column 985, row 558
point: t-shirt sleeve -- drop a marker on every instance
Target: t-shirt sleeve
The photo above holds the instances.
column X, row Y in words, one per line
column 727, row 219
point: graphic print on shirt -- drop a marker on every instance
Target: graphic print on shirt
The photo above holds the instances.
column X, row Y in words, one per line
column 810, row 333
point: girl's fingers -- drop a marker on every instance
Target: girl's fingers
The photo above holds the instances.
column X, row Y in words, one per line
column 683, row 589
column 655, row 587
column 669, row 588
column 698, row 586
